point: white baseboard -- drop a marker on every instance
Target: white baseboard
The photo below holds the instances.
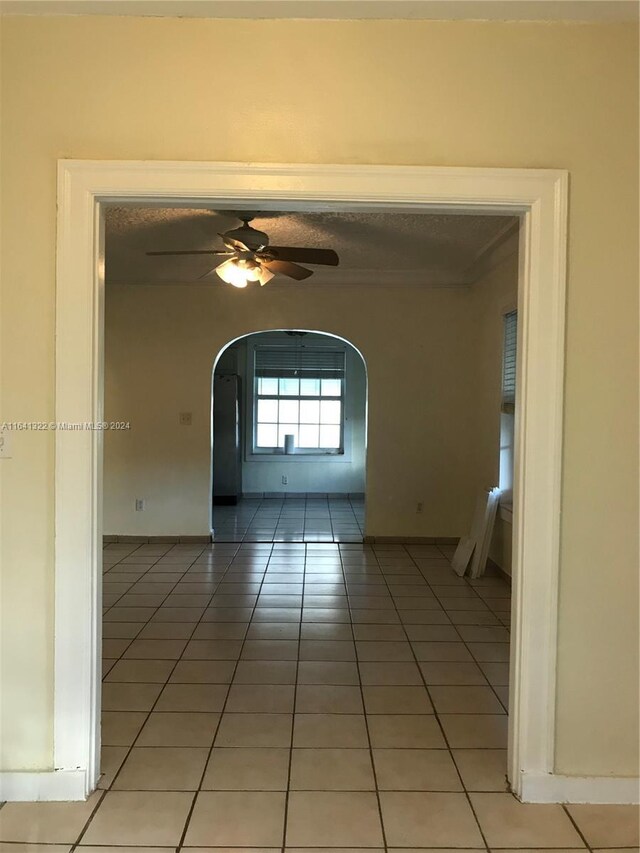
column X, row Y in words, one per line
column 552, row 788
column 52, row 786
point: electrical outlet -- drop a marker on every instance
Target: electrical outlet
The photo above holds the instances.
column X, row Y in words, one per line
column 185, row 418
column 419, row 506
column 141, row 504
column 285, row 480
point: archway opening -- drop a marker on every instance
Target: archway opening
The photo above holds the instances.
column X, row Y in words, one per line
column 288, row 439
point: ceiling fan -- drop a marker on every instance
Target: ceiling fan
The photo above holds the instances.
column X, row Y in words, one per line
column 247, row 256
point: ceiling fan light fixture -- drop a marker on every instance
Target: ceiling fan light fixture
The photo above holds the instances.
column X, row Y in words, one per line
column 239, row 272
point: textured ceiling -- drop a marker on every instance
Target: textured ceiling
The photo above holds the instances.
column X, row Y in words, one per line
column 373, row 247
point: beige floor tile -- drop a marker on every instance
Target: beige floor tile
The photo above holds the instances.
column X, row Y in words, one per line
column 465, row 700
column 129, row 697
column 121, row 849
column 399, row 731
column 163, row 649
column 475, row 731
column 270, row 650
column 139, row 818
column 339, row 850
column 179, row 729
column 389, row 633
column 55, row 823
column 331, row 770
column 203, row 672
column 247, row 769
column 605, row 825
column 451, row 672
column 380, row 651
column 506, row 822
column 113, row 648
column 327, row 650
column 162, row 768
column 137, row 671
column 328, row 699
column 233, row 850
column 220, row 631
column 432, row 633
column 321, row 818
column 166, row 631
column 237, row 818
column 254, row 730
column 192, row 697
column 111, row 759
column 496, row 674
column 261, row 698
column 9, row 847
column 327, row 672
column 447, row 850
column 443, row 652
column 482, row 769
column 382, row 699
column 416, row 770
column 266, row 672
column 120, row 728
column 393, row 674
column 330, row 730
column 428, row 820
column 228, row 650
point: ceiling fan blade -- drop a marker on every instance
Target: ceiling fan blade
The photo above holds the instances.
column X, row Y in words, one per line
column 210, row 273
column 194, row 252
column 288, row 269
column 304, row 256
column 233, row 244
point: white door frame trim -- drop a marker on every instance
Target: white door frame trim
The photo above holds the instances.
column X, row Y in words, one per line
column 540, row 196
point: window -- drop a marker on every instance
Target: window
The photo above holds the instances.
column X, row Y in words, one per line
column 299, row 392
column 507, row 416
column 509, row 362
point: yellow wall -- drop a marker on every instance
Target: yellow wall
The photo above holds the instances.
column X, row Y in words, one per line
column 438, row 93
column 161, row 342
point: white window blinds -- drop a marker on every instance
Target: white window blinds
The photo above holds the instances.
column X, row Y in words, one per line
column 509, row 361
column 303, row 363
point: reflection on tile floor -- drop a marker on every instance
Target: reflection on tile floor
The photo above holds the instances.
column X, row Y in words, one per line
column 284, row 697
column 317, row 518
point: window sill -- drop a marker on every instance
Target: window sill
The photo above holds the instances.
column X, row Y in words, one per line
column 298, row 457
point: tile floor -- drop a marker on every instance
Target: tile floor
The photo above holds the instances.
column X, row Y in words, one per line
column 281, row 697
column 292, row 519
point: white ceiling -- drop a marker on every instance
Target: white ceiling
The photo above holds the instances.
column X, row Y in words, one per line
column 374, row 248
column 492, row 10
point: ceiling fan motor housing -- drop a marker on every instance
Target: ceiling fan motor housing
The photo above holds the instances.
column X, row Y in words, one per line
column 251, row 237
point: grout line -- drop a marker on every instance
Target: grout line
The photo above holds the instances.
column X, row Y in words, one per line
column 215, row 735
column 439, row 722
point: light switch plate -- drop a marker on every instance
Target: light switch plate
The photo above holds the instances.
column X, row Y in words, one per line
column 185, row 418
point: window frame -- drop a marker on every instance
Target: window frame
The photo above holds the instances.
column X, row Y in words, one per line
column 253, row 454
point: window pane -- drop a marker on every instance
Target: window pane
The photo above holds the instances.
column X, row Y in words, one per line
column 309, row 411
column 267, row 435
column 286, row 429
column 330, row 436
column 330, row 411
column 331, row 387
column 288, row 411
column 309, row 435
column 310, row 387
column 268, row 411
column 289, row 387
column 268, row 387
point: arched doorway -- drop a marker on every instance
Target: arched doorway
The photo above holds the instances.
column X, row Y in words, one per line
column 288, row 439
